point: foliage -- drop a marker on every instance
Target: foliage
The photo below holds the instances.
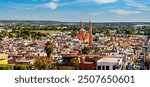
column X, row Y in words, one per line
column 21, row 67
column 96, row 50
column 14, row 67
column 43, row 63
column 86, row 50
column 6, row 67
column 96, row 38
column 11, row 35
column 26, row 34
column 37, row 35
column 119, row 29
column 3, row 34
column 49, row 49
column 141, row 53
column 73, row 33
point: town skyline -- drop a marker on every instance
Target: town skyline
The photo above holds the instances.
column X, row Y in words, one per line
column 73, row 47
column 76, row 10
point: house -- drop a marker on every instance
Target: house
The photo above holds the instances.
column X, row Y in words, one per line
column 86, row 62
column 87, row 66
column 109, row 64
column 3, row 61
column 3, row 58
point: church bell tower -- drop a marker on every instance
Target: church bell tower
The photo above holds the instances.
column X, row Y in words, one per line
column 90, row 33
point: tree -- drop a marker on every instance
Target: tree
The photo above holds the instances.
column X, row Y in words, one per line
column 14, row 67
column 107, row 32
column 96, row 50
column 85, row 50
column 49, row 49
column 43, row 64
column 6, row 67
column 1, row 47
column 26, row 34
column 11, row 35
column 1, row 37
column 48, row 43
column 96, row 38
column 4, row 33
column 73, row 33
column 21, row 67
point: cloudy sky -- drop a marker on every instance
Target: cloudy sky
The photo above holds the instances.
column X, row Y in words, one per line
column 76, row 10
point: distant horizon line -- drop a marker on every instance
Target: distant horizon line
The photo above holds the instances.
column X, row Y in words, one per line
column 82, row 21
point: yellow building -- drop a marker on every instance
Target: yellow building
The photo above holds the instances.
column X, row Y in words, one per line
column 3, row 58
column 3, row 61
column 125, row 45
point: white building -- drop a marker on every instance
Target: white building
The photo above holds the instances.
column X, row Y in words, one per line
column 109, row 64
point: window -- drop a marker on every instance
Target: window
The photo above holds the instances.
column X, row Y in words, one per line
column 76, row 68
column 99, row 67
column 94, row 68
column 86, row 69
column 103, row 67
column 107, row 67
column 114, row 67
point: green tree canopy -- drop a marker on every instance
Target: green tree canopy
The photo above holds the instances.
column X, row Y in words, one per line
column 85, row 50
column 49, row 49
column 43, row 64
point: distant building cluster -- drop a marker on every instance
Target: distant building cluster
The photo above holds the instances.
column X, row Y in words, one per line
column 113, row 52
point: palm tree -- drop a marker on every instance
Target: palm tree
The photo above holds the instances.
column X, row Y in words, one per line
column 49, row 49
column 85, row 50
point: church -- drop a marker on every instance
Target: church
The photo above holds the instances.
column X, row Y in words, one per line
column 83, row 35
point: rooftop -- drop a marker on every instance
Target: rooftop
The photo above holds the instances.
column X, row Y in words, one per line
column 108, row 60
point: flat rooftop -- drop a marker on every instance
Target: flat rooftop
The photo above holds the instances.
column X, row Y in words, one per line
column 108, row 60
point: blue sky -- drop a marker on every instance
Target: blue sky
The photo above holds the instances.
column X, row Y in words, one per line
column 76, row 10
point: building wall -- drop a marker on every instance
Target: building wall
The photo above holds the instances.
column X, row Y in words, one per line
column 83, row 66
column 106, row 64
column 3, row 56
column 110, row 64
column 4, row 61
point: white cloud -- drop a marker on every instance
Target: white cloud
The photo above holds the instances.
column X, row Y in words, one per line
column 138, row 5
column 54, row 4
column 82, row 2
column 105, row 1
column 51, row 5
column 125, row 12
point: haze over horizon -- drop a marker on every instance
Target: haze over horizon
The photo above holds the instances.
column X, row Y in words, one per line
column 76, row 10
